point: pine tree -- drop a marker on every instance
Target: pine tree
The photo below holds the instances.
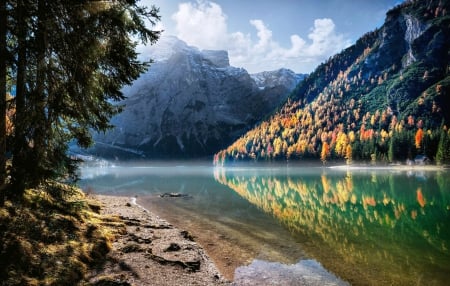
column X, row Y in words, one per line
column 72, row 60
column 20, row 147
column 3, row 73
column 443, row 151
column 391, row 150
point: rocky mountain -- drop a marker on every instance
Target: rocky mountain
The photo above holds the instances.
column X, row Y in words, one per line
column 282, row 77
column 386, row 98
column 190, row 103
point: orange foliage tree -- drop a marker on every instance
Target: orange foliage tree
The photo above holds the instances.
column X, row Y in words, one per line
column 419, row 136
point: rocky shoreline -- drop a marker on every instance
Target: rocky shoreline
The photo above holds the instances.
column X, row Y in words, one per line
column 150, row 251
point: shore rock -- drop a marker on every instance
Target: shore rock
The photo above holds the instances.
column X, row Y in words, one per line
column 152, row 252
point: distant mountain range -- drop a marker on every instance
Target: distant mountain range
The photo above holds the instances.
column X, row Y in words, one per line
column 190, row 103
column 386, row 98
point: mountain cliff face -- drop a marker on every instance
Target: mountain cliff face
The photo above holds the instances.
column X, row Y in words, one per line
column 386, row 98
column 282, row 77
column 190, row 103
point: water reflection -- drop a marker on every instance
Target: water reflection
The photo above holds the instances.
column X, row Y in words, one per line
column 305, row 272
column 369, row 227
column 232, row 229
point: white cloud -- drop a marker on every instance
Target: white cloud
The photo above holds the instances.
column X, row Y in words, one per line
column 203, row 24
column 324, row 39
column 264, row 35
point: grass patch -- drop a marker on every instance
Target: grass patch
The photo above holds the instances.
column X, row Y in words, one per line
column 53, row 237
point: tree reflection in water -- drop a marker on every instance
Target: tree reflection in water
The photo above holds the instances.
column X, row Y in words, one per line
column 365, row 226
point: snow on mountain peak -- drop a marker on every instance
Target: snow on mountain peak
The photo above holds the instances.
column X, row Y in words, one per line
column 167, row 46
column 218, row 58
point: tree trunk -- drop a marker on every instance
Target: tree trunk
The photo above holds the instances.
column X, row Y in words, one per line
column 3, row 52
column 38, row 100
column 20, row 142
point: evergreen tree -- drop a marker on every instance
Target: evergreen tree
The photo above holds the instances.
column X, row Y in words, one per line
column 391, row 150
column 73, row 57
column 443, row 151
column 19, row 30
column 3, row 73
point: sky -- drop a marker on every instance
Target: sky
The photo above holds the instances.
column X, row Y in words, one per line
column 264, row 35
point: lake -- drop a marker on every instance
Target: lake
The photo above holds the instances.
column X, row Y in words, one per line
column 295, row 225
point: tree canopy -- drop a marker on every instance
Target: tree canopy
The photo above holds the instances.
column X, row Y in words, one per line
column 68, row 61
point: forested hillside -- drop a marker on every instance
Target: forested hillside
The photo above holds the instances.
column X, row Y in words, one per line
column 386, row 98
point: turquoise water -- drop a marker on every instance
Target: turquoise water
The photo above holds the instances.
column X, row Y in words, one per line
column 366, row 226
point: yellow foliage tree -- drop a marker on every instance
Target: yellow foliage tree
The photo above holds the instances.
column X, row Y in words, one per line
column 341, row 143
column 348, row 154
column 325, row 152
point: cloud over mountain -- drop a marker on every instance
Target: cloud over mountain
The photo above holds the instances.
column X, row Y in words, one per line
column 204, row 24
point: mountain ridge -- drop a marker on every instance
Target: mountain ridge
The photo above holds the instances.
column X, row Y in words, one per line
column 385, row 98
column 190, row 103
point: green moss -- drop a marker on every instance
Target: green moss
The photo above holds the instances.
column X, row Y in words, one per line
column 51, row 238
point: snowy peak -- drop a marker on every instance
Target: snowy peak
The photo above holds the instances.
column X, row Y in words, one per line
column 283, row 77
column 190, row 103
column 168, row 46
column 217, row 58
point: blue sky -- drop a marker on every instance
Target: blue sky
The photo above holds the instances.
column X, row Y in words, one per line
column 264, row 35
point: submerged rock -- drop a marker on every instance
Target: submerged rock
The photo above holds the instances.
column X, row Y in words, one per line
column 174, row 195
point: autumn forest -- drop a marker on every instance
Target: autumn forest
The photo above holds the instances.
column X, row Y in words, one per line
column 381, row 100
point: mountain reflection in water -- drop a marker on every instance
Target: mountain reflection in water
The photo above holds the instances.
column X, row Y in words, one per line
column 376, row 227
column 305, row 272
